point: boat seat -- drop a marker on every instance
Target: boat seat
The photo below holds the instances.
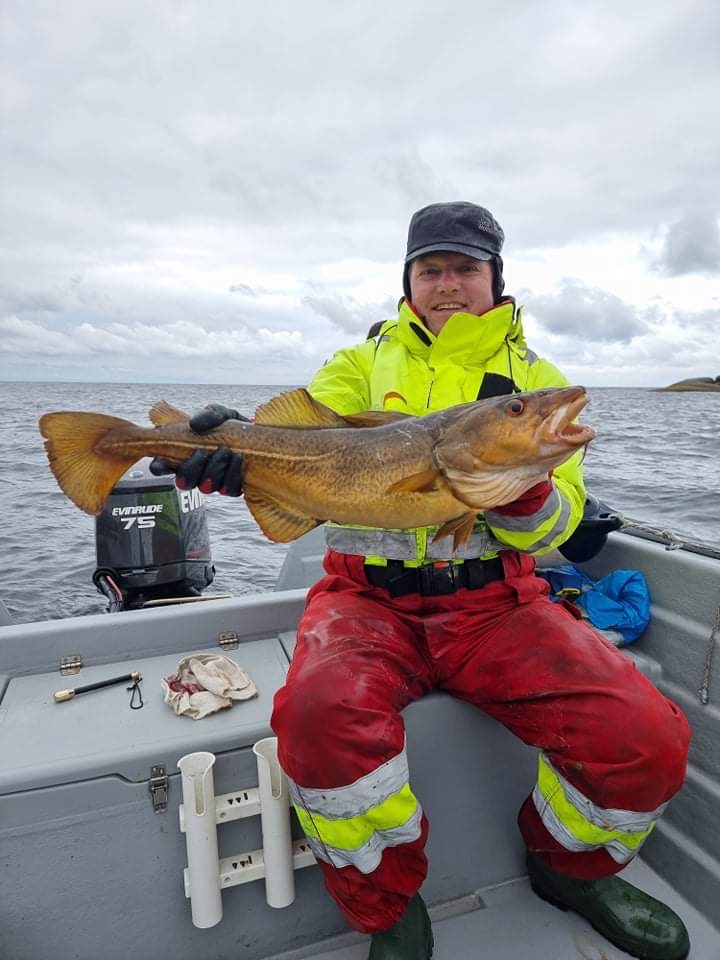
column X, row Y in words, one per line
column 471, row 775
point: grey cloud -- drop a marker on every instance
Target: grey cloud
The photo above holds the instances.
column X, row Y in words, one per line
column 276, row 116
column 691, row 245
column 114, row 331
column 586, row 313
column 27, row 336
column 409, row 177
column 179, row 338
column 347, row 314
column 701, row 324
column 672, row 340
column 285, row 137
column 19, row 299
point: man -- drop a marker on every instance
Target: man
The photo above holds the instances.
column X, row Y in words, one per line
column 397, row 615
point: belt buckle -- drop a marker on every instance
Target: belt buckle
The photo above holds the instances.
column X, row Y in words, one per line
column 438, row 579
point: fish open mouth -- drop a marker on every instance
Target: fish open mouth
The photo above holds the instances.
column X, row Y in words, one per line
column 560, row 426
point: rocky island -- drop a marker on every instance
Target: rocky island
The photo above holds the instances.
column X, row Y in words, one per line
column 708, row 384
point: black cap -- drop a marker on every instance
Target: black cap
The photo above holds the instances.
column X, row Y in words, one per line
column 458, row 227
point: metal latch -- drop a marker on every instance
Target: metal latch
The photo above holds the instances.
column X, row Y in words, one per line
column 158, row 787
column 71, row 664
column 228, row 640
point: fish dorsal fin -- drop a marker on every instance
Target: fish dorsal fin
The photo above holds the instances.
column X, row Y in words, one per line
column 296, row 408
column 162, row 414
column 374, row 418
column 277, row 521
column 423, row 482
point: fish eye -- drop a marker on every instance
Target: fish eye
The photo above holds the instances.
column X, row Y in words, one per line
column 515, row 408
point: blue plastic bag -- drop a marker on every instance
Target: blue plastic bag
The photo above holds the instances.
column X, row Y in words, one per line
column 566, row 581
column 619, row 601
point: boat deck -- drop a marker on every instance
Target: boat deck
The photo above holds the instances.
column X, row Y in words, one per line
column 509, row 922
column 102, row 873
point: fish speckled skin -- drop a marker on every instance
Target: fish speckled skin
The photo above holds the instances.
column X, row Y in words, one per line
column 305, row 464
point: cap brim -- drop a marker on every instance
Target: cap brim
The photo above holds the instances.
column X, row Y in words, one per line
column 477, row 253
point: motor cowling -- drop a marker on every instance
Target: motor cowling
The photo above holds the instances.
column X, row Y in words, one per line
column 152, row 541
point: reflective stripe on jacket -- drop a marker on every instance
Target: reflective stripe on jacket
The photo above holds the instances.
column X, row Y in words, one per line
column 409, row 369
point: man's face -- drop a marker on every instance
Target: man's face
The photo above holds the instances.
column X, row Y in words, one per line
column 445, row 283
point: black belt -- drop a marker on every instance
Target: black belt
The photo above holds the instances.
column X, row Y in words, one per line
column 434, row 579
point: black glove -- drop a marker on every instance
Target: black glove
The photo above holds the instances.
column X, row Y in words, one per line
column 220, row 471
column 590, row 535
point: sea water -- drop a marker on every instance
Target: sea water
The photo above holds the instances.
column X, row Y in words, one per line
column 656, row 459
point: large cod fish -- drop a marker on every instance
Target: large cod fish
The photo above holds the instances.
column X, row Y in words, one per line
column 305, row 464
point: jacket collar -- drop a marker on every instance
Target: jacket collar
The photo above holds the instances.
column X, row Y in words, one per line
column 466, row 337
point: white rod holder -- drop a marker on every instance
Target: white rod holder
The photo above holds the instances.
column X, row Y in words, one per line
column 275, row 820
column 199, row 818
column 202, row 812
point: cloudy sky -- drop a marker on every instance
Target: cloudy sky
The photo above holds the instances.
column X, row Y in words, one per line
column 219, row 191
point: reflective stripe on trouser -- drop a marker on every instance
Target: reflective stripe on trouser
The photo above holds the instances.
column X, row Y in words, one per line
column 580, row 825
column 361, row 657
column 352, row 825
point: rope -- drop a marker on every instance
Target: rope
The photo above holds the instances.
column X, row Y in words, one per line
column 704, row 691
column 669, row 539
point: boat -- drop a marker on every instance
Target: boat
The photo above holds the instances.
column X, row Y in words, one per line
column 136, row 833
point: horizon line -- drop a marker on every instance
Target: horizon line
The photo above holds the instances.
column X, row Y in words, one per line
column 235, row 383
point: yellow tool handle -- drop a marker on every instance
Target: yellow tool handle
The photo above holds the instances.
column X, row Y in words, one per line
column 61, row 695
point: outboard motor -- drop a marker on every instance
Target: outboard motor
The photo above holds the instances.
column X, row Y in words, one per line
column 151, row 542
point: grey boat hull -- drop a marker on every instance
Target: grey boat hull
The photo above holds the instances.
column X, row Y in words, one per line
column 89, row 870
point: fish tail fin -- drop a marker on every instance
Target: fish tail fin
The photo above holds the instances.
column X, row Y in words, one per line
column 85, row 475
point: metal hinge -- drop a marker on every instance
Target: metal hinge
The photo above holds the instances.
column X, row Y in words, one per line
column 71, row 664
column 158, row 786
column 228, row 640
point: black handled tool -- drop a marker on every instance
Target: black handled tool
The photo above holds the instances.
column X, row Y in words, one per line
column 60, row 696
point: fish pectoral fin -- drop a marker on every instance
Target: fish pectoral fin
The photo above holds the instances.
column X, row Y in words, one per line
column 374, row 418
column 424, row 482
column 461, row 528
column 276, row 520
column 296, row 408
column 163, row 414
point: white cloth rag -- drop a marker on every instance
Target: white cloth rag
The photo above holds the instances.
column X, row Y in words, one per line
column 205, row 683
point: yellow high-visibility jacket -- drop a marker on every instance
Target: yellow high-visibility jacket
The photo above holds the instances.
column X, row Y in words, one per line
column 406, row 367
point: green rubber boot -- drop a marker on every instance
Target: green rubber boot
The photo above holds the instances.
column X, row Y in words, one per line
column 410, row 938
column 634, row 921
